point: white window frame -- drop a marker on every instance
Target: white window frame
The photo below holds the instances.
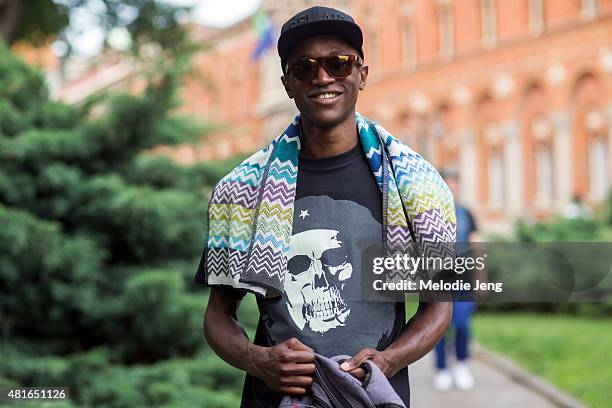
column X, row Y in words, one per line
column 588, row 9
column 446, row 30
column 488, row 22
column 536, row 16
column 409, row 43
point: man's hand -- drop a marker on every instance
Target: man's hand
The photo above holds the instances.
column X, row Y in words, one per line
column 380, row 358
column 287, row 368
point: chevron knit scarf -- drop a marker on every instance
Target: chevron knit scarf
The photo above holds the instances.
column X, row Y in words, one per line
column 250, row 213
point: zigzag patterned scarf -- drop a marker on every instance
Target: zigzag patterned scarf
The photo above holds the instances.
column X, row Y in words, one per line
column 250, row 213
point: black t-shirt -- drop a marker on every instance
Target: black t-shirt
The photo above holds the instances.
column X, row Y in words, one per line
column 337, row 215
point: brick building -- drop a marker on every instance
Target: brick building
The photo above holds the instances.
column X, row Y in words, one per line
column 514, row 94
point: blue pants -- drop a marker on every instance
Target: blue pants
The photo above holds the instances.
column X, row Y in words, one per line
column 462, row 312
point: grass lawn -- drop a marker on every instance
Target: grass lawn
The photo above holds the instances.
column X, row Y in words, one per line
column 573, row 353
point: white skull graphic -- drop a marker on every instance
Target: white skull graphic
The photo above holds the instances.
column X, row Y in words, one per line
column 316, row 275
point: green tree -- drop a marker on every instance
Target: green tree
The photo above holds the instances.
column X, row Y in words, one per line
column 98, row 247
column 148, row 21
column 78, row 225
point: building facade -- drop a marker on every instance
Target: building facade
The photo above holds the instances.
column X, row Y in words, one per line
column 513, row 94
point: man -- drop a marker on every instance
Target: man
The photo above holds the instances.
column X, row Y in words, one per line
column 463, row 305
column 291, row 223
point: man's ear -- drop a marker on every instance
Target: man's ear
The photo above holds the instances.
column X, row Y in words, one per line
column 285, row 82
column 363, row 77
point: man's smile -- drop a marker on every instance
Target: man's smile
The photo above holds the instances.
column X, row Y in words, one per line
column 325, row 97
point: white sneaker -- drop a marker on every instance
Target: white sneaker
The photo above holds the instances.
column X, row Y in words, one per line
column 443, row 380
column 464, row 380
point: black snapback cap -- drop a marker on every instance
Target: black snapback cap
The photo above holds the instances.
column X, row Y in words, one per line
column 318, row 20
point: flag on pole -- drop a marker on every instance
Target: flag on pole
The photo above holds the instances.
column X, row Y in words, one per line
column 265, row 32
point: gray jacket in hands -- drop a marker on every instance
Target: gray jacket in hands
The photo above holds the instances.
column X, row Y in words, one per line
column 334, row 388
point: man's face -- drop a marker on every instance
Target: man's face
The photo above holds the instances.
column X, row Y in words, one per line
column 330, row 112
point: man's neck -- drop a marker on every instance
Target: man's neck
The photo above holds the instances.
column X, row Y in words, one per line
column 319, row 143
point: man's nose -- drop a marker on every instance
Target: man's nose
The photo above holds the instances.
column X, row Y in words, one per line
column 323, row 77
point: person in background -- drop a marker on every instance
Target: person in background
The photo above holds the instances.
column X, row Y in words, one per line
column 576, row 209
column 463, row 307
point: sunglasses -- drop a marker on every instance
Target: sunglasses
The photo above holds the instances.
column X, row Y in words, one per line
column 338, row 66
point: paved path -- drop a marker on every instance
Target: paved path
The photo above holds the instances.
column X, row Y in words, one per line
column 493, row 389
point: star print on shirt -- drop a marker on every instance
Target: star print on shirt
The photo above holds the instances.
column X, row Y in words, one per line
column 304, row 214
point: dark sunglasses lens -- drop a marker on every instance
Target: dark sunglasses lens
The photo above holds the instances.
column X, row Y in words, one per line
column 303, row 70
column 339, row 65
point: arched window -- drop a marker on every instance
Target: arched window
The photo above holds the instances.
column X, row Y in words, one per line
column 541, row 131
column 493, row 136
column 491, row 159
column 538, row 149
column 443, row 135
column 590, row 143
column 597, row 155
column 415, row 133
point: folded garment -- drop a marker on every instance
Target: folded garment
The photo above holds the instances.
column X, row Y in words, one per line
column 335, row 388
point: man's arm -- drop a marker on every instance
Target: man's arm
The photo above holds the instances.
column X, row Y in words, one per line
column 223, row 331
column 419, row 336
column 287, row 368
